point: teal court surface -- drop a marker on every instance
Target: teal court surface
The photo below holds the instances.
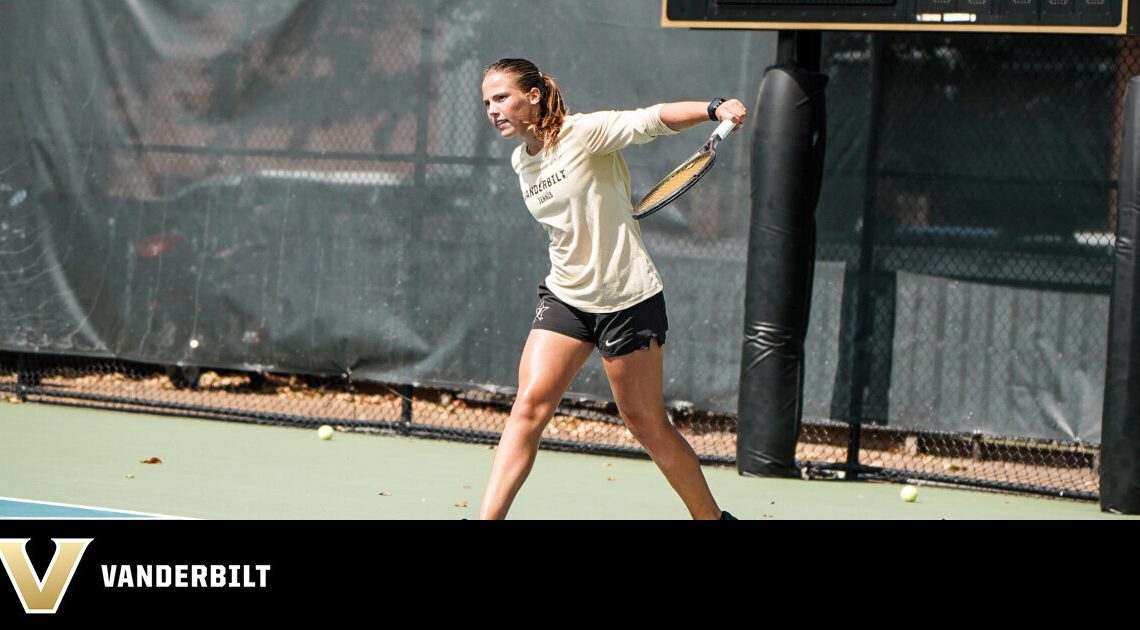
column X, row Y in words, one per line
column 72, row 463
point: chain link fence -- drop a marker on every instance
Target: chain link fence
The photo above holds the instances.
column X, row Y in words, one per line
column 582, row 425
column 970, row 199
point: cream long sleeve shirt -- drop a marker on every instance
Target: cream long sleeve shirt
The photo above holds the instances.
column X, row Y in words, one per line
column 579, row 191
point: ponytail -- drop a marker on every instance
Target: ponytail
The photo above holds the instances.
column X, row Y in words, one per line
column 553, row 112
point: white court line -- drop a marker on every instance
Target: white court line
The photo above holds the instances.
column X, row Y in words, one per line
column 85, row 507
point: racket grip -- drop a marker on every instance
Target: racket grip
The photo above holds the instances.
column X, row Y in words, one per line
column 723, row 129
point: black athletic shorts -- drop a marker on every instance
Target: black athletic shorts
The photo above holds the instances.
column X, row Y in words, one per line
column 615, row 333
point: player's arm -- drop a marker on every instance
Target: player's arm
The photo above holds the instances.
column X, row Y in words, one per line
column 604, row 132
column 684, row 114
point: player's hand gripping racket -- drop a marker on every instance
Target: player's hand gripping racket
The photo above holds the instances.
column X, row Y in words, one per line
column 684, row 176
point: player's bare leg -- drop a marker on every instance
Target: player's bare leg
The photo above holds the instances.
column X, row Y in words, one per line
column 637, row 382
column 549, row 363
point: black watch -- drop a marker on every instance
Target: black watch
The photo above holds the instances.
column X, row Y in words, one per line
column 715, row 103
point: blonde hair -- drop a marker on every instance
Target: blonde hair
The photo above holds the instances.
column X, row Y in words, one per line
column 552, row 107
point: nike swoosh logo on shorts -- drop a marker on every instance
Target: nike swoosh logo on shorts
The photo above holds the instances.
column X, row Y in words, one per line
column 610, row 343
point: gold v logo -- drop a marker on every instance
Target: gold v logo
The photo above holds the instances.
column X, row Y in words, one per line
column 41, row 596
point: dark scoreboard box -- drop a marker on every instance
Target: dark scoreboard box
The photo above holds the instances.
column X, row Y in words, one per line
column 1074, row 17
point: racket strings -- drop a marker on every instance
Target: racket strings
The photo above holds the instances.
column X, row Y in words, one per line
column 674, row 182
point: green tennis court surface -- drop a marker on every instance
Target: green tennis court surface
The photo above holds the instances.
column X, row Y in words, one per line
column 92, row 459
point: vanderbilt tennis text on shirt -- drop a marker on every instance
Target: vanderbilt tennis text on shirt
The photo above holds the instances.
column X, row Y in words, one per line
column 543, row 184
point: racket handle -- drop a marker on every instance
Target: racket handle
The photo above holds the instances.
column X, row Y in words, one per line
column 723, row 129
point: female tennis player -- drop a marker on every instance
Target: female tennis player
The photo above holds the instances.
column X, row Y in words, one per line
column 602, row 290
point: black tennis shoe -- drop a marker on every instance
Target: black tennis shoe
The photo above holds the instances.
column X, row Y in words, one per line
column 725, row 516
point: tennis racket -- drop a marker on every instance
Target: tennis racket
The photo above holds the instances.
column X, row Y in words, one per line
column 684, row 176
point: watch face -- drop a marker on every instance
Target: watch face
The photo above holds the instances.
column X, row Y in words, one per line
column 712, row 107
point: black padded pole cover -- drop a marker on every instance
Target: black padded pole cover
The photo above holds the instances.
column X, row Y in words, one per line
column 787, row 164
column 1120, row 429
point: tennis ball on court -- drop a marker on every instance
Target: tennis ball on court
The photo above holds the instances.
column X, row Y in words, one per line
column 908, row 494
column 325, row 432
